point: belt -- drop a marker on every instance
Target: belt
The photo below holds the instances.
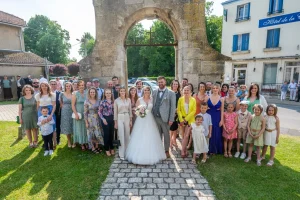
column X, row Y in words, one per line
column 254, row 130
column 270, row 130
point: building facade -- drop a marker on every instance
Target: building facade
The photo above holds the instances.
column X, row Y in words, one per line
column 263, row 39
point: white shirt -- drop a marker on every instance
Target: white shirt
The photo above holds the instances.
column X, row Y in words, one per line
column 45, row 100
column 43, row 80
column 208, row 93
column 100, row 91
column 293, row 85
column 139, row 92
column 206, row 122
column 47, row 128
column 161, row 92
column 18, row 83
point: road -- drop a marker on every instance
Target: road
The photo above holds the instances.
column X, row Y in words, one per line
column 289, row 116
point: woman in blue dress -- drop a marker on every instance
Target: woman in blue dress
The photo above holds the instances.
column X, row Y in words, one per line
column 216, row 108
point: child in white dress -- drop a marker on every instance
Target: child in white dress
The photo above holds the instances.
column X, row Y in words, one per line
column 272, row 132
column 199, row 140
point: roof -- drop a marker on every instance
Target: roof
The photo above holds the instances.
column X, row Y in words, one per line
column 229, row 2
column 23, row 58
column 11, row 19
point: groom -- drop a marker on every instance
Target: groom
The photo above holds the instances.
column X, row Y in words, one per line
column 164, row 106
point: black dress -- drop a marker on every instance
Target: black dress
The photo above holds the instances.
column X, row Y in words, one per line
column 174, row 126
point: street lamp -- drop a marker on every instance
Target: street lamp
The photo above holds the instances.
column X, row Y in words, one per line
column 84, row 45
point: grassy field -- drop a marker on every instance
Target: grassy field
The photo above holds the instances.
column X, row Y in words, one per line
column 8, row 102
column 231, row 178
column 26, row 174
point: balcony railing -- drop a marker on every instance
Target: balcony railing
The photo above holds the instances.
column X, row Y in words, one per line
column 275, row 12
column 242, row 19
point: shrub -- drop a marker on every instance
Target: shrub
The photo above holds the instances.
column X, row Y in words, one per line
column 58, row 70
column 73, row 69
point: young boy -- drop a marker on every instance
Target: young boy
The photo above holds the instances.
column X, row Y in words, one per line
column 46, row 126
column 242, row 92
column 206, row 121
column 244, row 118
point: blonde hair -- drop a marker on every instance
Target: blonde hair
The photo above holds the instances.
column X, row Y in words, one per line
column 48, row 89
column 112, row 96
column 27, row 86
column 96, row 93
column 126, row 93
column 65, row 89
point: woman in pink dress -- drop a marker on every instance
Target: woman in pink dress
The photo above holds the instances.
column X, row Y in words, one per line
column 229, row 129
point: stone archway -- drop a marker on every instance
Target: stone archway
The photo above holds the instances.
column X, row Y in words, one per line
column 195, row 59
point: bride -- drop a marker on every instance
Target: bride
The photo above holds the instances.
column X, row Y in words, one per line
column 145, row 146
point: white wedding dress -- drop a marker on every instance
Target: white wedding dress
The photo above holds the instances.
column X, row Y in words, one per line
column 145, row 146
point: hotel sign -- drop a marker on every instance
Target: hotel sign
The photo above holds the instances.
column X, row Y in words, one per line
column 282, row 19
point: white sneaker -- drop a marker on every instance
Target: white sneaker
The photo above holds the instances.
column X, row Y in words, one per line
column 243, row 156
column 237, row 154
column 50, row 152
column 46, row 153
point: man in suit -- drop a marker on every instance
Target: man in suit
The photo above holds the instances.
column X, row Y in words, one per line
column 164, row 106
column 20, row 84
column 96, row 84
column 139, row 88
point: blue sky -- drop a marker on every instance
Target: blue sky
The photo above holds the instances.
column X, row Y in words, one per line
column 76, row 16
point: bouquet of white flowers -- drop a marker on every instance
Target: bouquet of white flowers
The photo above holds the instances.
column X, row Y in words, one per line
column 141, row 111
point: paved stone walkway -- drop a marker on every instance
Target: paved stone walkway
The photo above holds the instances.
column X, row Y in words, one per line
column 174, row 178
column 8, row 112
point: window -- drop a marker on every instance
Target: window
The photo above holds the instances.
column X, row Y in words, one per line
column 270, row 73
column 225, row 12
column 275, row 6
column 243, row 12
column 241, row 42
column 273, row 38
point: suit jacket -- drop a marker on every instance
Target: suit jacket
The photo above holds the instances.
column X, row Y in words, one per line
column 168, row 105
column 190, row 116
column 57, row 109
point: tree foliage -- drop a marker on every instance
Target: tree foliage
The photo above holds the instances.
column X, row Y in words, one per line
column 73, row 69
column 87, row 44
column 47, row 39
column 58, row 70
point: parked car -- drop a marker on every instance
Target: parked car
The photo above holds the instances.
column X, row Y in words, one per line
column 153, row 86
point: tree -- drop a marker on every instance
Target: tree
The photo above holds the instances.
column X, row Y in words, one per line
column 87, row 44
column 73, row 69
column 213, row 27
column 58, row 70
column 47, row 39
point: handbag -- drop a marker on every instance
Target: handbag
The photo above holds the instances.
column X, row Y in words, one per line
column 116, row 142
column 79, row 115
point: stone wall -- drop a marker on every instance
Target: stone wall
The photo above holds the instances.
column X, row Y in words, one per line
column 195, row 59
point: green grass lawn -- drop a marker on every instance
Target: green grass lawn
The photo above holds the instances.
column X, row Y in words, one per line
column 26, row 174
column 8, row 102
column 231, row 178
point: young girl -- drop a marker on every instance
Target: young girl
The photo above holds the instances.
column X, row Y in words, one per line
column 272, row 131
column 229, row 129
column 198, row 134
column 256, row 129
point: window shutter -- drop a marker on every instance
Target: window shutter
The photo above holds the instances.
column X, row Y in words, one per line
column 280, row 5
column 276, row 37
column 271, row 6
column 248, row 14
column 245, row 42
column 235, row 43
column 269, row 39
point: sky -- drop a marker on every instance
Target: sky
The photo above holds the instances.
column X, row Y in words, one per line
column 76, row 16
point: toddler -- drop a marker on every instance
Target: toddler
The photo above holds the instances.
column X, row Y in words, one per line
column 199, row 140
column 242, row 92
column 46, row 127
column 271, row 135
column 256, row 128
column 229, row 129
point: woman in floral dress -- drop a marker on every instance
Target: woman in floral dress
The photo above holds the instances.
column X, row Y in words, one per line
column 92, row 123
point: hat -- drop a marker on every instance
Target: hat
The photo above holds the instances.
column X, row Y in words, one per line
column 18, row 76
column 95, row 79
column 244, row 102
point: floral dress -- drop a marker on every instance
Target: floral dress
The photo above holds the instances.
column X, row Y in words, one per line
column 66, row 124
column 94, row 131
column 229, row 122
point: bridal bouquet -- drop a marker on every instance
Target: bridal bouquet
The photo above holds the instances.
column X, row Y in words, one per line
column 141, row 111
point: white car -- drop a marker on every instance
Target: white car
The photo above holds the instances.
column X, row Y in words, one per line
column 152, row 84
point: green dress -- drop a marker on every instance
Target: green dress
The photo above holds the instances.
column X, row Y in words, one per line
column 79, row 129
column 255, row 127
column 251, row 104
column 29, row 113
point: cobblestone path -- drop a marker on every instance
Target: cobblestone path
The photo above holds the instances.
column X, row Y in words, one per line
column 8, row 112
column 174, row 178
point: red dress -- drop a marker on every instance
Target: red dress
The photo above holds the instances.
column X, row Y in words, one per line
column 229, row 123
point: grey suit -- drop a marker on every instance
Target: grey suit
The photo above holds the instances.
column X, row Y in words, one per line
column 166, row 114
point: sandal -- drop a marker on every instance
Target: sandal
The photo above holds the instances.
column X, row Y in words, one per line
column 99, row 150
column 203, row 161
column 31, row 145
column 193, row 162
column 83, row 148
column 229, row 155
column 108, row 153
column 247, row 160
column 73, row 146
column 270, row 163
column 225, row 155
column 95, row 151
column 112, row 152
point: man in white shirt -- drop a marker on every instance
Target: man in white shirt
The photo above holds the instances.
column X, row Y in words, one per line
column 36, row 86
column 43, row 80
column 292, row 88
column 208, row 88
column 139, row 88
column 96, row 84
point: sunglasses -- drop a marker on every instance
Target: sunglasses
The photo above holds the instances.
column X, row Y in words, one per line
column 35, row 82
